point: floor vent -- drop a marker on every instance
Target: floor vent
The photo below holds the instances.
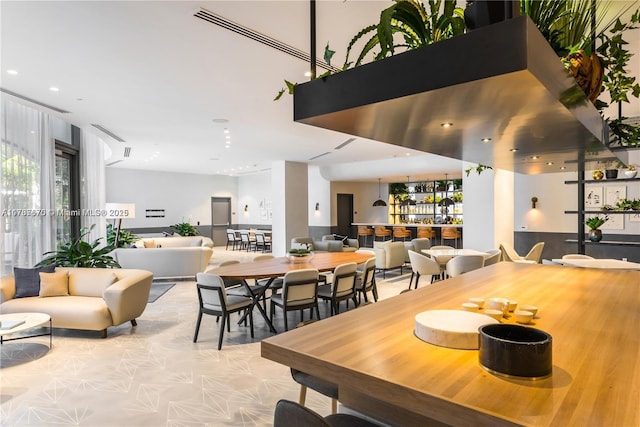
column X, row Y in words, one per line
column 108, row 132
column 33, row 101
column 208, row 16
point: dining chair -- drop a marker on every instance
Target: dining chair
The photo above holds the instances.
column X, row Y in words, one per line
column 247, row 242
column 232, row 239
column 240, row 287
column 493, row 257
column 366, row 281
column 422, row 265
column 343, row 287
column 464, row 263
column 442, row 260
column 262, row 242
column 213, row 300
column 533, row 256
column 576, row 256
column 288, row 413
column 299, row 291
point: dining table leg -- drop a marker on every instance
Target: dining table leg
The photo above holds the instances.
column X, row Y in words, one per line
column 256, row 303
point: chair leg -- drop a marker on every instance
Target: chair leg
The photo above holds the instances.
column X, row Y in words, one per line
column 195, row 335
column 417, row 279
column 317, row 311
column 411, row 279
column 303, row 395
column 286, row 324
column 251, row 321
column 224, row 319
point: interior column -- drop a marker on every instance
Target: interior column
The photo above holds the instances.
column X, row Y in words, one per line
column 289, row 182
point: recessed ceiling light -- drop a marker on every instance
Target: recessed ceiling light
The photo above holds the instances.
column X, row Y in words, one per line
column 513, row 150
column 227, row 146
column 220, row 121
column 12, row 72
column 535, row 157
column 485, row 139
column 446, row 125
column 54, row 89
column 407, row 154
column 228, row 136
column 562, row 168
column 549, row 163
column 226, row 130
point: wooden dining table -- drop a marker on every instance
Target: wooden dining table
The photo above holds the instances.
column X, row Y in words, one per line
column 279, row 266
column 382, row 369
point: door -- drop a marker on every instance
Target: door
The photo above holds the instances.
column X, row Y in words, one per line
column 220, row 219
column 345, row 215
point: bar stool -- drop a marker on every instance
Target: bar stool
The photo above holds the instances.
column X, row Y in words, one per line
column 426, row 233
column 450, row 233
column 401, row 233
column 365, row 231
column 381, row 231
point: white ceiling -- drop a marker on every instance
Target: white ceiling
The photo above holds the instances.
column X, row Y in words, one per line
column 156, row 76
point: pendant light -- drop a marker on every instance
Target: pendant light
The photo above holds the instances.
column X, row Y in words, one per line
column 408, row 201
column 379, row 202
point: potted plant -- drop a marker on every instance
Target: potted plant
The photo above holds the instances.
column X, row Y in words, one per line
column 630, row 171
column 185, row 229
column 79, row 253
column 594, row 224
column 300, row 254
column 125, row 239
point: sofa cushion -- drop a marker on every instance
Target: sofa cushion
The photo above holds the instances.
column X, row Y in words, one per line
column 54, row 284
column 90, row 282
column 27, row 280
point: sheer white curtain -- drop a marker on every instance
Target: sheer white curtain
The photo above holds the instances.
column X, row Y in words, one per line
column 27, row 183
column 92, row 184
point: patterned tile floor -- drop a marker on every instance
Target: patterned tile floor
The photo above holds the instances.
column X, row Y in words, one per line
column 153, row 374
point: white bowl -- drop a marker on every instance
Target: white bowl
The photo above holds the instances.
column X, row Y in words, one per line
column 479, row 301
column 532, row 308
column 469, row 306
column 523, row 316
column 513, row 305
column 496, row 314
column 499, row 304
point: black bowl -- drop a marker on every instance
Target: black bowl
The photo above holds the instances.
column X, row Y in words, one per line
column 515, row 351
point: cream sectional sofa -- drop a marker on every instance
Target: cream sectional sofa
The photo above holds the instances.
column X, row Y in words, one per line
column 174, row 242
column 167, row 261
column 98, row 298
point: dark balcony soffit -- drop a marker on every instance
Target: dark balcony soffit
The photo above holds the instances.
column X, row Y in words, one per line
column 501, row 81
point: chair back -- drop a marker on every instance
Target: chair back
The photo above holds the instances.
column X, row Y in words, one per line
column 289, row 414
column 300, row 286
column 576, row 256
column 344, row 279
column 426, row 232
column 244, row 236
column 423, row 265
column 493, row 257
column 381, row 230
column 231, row 235
column 464, row 263
column 508, row 253
column 368, row 274
column 211, row 293
column 420, row 243
column 535, row 253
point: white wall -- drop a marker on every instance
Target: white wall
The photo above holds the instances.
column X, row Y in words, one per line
column 319, row 192
column 255, row 192
column 184, row 197
column 364, row 194
column 478, row 210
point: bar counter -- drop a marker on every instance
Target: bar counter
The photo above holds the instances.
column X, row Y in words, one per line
column 383, row 369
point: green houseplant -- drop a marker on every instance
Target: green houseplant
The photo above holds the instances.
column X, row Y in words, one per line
column 185, row 229
column 125, row 239
column 80, row 253
column 594, row 224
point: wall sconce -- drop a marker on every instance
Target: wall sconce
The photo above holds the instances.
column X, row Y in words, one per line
column 534, row 200
column 246, row 208
column 317, row 206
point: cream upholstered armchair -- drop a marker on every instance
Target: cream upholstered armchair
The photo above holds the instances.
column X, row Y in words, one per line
column 389, row 255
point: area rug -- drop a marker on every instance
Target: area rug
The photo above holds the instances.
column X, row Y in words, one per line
column 159, row 289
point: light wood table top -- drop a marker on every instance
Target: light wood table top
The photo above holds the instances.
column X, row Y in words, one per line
column 615, row 264
column 452, row 252
column 382, row 368
column 276, row 267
